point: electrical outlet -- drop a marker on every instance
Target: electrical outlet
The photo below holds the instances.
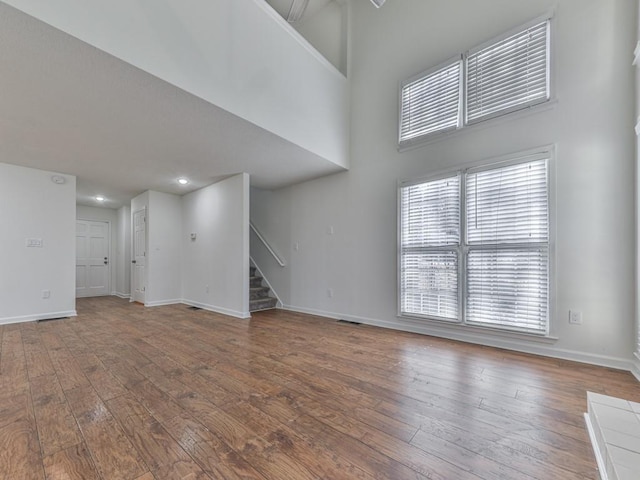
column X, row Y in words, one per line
column 46, row 293
column 330, row 292
column 296, row 246
column 575, row 317
column 206, row 288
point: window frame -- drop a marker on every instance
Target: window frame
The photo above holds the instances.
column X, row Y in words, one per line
column 424, row 74
column 547, row 152
column 442, row 248
column 523, row 106
column 463, row 123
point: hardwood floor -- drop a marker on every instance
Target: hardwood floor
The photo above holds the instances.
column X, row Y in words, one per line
column 134, row 393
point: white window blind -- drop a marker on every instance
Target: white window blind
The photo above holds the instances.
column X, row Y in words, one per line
column 430, row 238
column 497, row 273
column 508, row 204
column 508, row 233
column 509, row 74
column 430, row 103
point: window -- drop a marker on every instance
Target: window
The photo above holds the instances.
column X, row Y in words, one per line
column 507, row 74
column 430, row 240
column 431, row 103
column 474, row 246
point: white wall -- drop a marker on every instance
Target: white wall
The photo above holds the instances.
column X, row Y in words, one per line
column 164, row 260
column 109, row 215
column 123, row 253
column 591, row 126
column 216, row 263
column 327, row 33
column 237, row 54
column 32, row 206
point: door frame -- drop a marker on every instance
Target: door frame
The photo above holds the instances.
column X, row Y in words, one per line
column 111, row 252
column 133, row 255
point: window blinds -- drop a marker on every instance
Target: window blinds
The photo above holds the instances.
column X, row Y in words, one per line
column 507, row 219
column 509, row 74
column 430, row 236
column 508, row 204
column 430, row 103
column 501, row 264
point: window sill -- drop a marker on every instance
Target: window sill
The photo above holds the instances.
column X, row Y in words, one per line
column 476, row 332
column 508, row 117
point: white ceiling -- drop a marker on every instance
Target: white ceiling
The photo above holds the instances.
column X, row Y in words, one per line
column 67, row 107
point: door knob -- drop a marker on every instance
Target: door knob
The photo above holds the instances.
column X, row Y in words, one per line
column 133, row 261
column 106, row 263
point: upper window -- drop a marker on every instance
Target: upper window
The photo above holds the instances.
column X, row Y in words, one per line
column 508, row 73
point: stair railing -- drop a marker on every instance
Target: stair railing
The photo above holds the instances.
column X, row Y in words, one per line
column 266, row 244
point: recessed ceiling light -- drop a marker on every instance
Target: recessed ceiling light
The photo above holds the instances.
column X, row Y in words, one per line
column 378, row 3
column 59, row 179
column 99, row 198
column 183, row 181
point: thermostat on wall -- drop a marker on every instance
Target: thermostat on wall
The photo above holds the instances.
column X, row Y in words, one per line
column 193, row 236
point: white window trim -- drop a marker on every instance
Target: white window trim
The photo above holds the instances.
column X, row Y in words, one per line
column 498, row 117
column 426, row 73
column 509, row 159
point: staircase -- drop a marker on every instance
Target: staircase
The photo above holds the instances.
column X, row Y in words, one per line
column 259, row 298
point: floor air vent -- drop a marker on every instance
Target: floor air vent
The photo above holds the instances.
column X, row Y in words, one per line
column 194, row 308
column 349, row 322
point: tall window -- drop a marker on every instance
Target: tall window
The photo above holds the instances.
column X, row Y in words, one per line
column 508, row 73
column 430, row 240
column 474, row 246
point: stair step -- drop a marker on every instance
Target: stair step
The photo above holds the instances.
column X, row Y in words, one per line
column 252, row 271
column 255, row 281
column 256, row 293
column 262, row 304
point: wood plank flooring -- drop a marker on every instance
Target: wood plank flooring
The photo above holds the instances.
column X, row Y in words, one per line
column 133, row 393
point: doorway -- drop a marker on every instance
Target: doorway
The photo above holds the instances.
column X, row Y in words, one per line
column 93, row 265
column 139, row 256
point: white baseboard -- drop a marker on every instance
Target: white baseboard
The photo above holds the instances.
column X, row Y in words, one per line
column 311, row 311
column 602, row 468
column 121, row 295
column 38, row 316
column 505, row 340
column 216, row 309
column 160, row 303
column 204, row 306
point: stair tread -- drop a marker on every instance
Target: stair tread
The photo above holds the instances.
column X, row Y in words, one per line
column 262, row 303
column 259, row 298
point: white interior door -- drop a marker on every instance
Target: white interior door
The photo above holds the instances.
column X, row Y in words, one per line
column 139, row 255
column 93, row 269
